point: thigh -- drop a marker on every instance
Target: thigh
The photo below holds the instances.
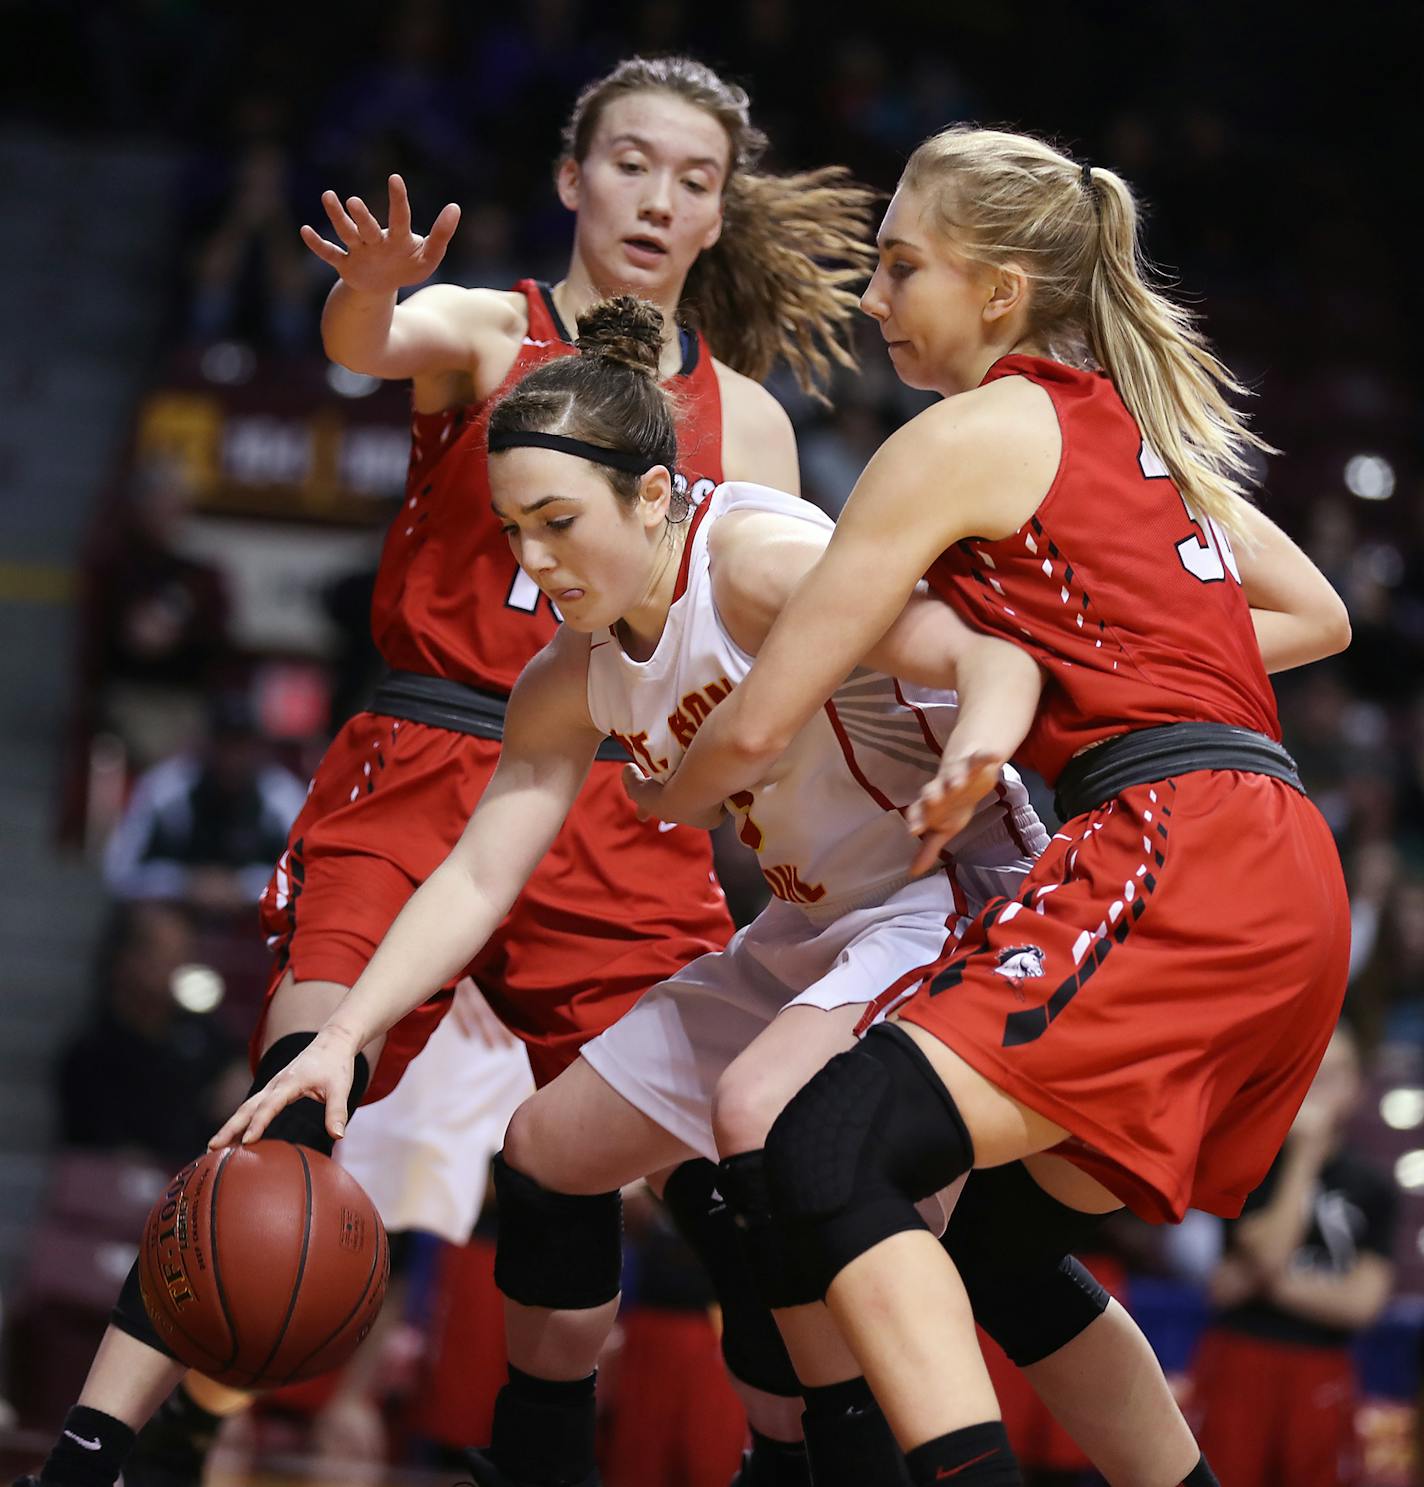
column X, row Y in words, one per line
column 579, row 1135
column 615, row 908
column 756, row 1085
column 1171, row 950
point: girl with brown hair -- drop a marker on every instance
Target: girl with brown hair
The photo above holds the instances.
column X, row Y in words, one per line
column 661, row 177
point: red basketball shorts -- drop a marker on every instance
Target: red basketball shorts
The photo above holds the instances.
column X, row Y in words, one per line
column 616, row 906
column 1275, row 1412
column 1163, row 988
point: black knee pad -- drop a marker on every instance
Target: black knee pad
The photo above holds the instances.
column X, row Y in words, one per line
column 868, row 1137
column 131, row 1316
column 303, row 1122
column 561, row 1250
column 1011, row 1243
column 701, row 1206
column 780, row 1279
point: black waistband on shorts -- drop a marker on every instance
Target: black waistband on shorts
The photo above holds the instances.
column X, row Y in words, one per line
column 442, row 703
column 1150, row 754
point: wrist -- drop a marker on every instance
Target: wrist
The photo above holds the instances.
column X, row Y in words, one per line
column 342, row 1037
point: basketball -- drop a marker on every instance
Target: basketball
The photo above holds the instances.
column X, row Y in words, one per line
column 263, row 1265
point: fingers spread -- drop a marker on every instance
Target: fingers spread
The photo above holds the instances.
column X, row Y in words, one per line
column 399, row 210
column 345, row 227
column 369, row 229
column 441, row 231
column 327, row 252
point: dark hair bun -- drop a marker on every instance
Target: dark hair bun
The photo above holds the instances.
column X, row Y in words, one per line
column 625, row 331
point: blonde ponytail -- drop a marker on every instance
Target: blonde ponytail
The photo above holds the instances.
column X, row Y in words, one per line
column 1006, row 198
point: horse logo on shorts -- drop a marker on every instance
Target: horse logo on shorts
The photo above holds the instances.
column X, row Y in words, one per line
column 1019, row 963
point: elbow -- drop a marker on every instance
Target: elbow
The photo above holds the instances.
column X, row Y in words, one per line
column 755, row 740
column 754, row 745
column 1338, row 633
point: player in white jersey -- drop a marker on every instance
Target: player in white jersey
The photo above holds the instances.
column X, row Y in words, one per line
column 846, row 922
column 664, row 612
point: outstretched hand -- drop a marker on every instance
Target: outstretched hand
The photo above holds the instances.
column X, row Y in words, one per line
column 946, row 804
column 323, row 1071
column 379, row 260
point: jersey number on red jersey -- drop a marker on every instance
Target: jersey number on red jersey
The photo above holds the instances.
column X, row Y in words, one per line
column 1206, row 554
column 525, row 594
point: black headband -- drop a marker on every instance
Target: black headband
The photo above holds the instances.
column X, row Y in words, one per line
column 598, row 454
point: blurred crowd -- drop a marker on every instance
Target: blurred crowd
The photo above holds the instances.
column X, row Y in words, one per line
column 269, row 105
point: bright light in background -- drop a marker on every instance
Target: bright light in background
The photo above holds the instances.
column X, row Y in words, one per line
column 1369, row 476
column 350, row 384
column 1409, row 1170
column 200, row 989
column 1403, row 1109
column 228, row 362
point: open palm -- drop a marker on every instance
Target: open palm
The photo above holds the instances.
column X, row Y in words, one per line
column 376, row 259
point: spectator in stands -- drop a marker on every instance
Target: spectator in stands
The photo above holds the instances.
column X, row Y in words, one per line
column 155, row 622
column 1306, row 1267
column 143, row 1076
column 250, row 276
column 204, row 828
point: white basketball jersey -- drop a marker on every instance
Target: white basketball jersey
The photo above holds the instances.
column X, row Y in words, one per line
column 826, row 824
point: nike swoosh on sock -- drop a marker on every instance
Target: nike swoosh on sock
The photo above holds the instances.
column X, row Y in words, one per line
column 79, row 1440
column 943, row 1476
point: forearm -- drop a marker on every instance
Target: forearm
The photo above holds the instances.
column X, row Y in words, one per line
column 432, row 940
column 1351, row 1301
column 1269, row 1237
column 998, row 688
column 725, row 757
column 1288, row 640
column 357, row 329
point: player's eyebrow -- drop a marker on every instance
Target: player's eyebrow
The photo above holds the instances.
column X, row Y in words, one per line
column 691, row 160
column 533, row 506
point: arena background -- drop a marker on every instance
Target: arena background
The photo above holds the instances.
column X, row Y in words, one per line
column 165, row 409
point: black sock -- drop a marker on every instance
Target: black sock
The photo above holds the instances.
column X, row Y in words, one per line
column 1201, row 1475
column 977, row 1456
column 777, row 1463
column 90, row 1450
column 543, row 1429
column 180, row 1433
column 847, row 1438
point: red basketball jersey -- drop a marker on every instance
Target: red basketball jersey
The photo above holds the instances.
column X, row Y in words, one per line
column 450, row 600
column 1130, row 601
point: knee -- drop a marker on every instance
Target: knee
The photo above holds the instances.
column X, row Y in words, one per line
column 745, row 1105
column 870, row 1135
column 555, row 1249
column 1011, row 1244
column 537, row 1146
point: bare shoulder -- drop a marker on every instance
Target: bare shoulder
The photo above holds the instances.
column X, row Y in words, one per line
column 1013, row 408
column 758, row 442
column 756, row 558
column 476, row 311
column 997, row 448
column 562, row 662
column 478, row 331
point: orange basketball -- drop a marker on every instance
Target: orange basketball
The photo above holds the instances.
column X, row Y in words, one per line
column 263, row 1265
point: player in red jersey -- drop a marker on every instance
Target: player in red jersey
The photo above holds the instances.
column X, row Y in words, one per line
column 659, row 169
column 1141, row 1024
